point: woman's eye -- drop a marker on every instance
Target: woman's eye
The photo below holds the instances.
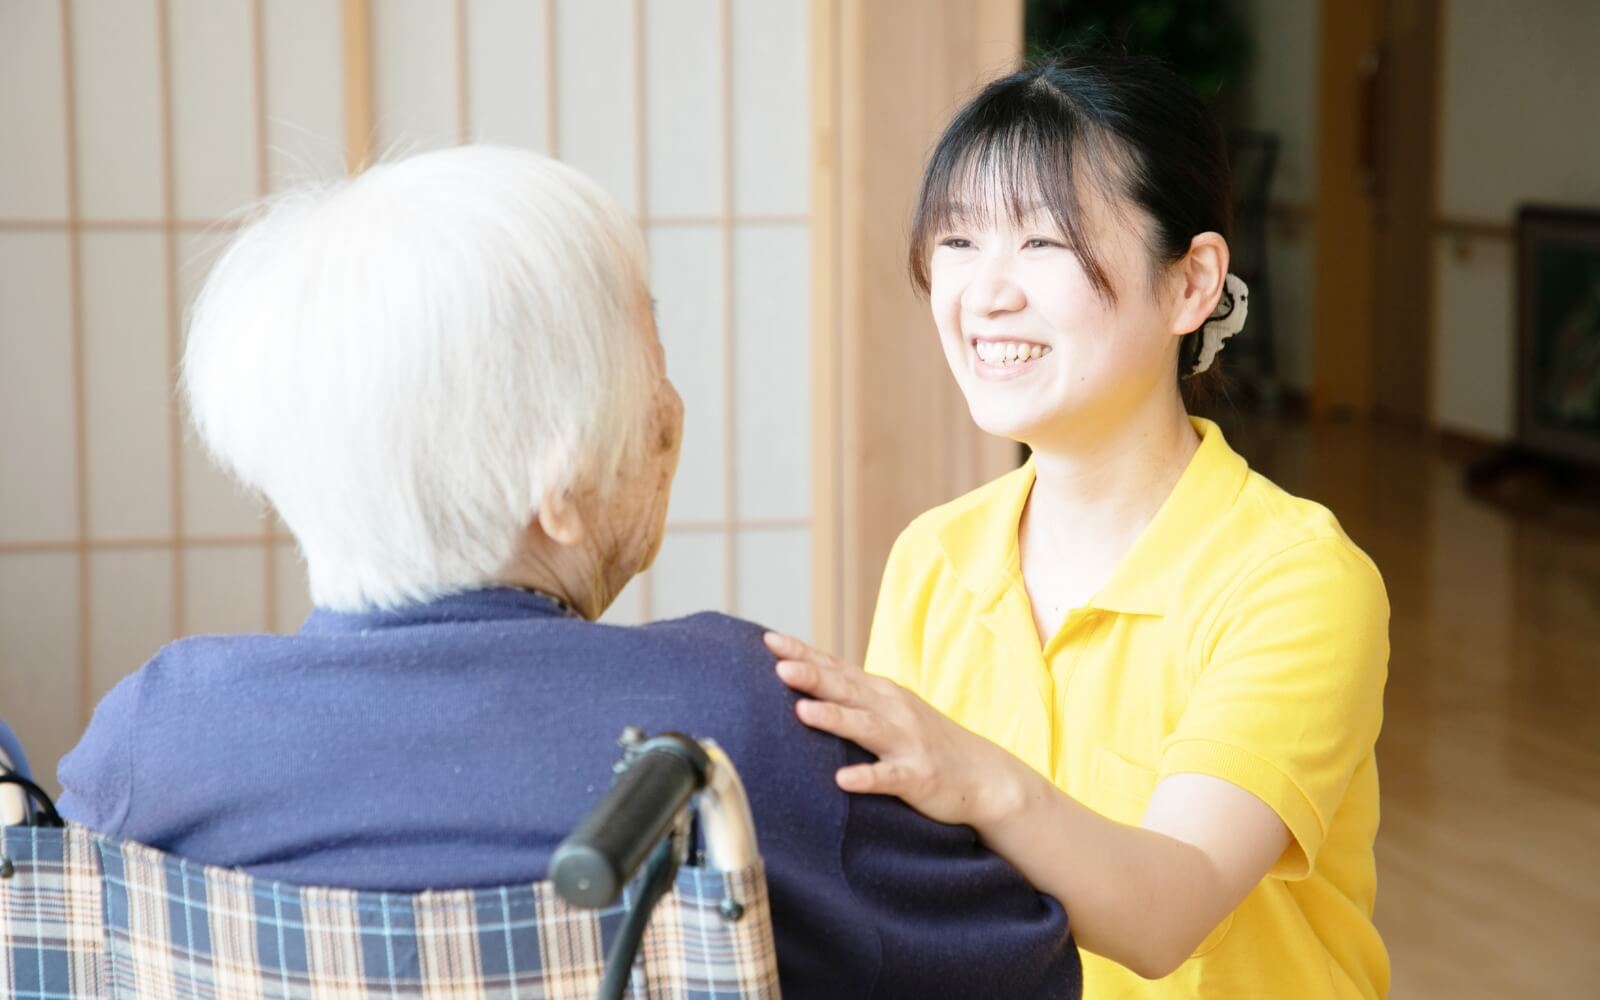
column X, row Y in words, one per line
column 956, row 243
column 1038, row 244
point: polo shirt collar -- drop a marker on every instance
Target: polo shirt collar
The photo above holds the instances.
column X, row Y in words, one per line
column 980, row 541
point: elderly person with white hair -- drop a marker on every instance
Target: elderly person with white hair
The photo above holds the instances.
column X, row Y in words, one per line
column 445, row 376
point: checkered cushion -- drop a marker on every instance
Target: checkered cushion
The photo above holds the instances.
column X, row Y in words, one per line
column 85, row 916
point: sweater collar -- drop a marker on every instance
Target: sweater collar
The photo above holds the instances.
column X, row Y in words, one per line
column 490, row 604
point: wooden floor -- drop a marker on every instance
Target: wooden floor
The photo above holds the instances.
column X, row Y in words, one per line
column 1489, row 849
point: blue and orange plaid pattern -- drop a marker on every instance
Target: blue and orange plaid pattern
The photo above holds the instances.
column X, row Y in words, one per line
column 83, row 916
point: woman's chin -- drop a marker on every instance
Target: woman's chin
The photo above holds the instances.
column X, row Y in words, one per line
column 1006, row 422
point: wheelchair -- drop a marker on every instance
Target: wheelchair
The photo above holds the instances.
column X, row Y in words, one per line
column 659, row 892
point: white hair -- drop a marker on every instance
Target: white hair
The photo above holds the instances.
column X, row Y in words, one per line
column 401, row 360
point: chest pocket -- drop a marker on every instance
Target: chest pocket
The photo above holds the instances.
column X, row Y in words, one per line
column 1122, row 792
column 1122, row 789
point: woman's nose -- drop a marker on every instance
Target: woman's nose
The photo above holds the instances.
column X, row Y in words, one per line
column 993, row 289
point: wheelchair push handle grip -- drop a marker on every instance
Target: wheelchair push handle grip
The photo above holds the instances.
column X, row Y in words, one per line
column 597, row 859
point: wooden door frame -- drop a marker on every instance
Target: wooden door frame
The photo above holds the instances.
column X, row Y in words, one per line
column 1342, row 280
column 1346, row 320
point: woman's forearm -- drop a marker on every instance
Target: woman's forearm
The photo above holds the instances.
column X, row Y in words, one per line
column 1144, row 897
column 1138, row 897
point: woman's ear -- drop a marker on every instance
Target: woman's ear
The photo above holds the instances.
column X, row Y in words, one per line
column 1202, row 274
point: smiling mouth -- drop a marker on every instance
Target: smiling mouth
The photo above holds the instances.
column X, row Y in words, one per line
column 1004, row 354
column 1006, row 359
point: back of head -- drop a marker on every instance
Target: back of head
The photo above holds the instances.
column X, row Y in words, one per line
column 401, row 361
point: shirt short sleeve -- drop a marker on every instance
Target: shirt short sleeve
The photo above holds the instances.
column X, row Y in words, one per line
column 1289, row 696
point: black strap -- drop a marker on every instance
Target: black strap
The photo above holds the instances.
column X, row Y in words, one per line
column 47, row 815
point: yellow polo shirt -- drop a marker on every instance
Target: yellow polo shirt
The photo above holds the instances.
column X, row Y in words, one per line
column 1243, row 636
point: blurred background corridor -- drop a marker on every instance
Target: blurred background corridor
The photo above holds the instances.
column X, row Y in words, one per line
column 1417, row 188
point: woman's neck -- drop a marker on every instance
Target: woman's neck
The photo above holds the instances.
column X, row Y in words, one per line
column 1091, row 500
column 1118, row 479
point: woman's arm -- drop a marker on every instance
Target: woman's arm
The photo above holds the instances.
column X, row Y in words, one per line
column 1144, row 896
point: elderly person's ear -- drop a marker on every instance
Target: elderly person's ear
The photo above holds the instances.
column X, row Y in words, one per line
column 559, row 517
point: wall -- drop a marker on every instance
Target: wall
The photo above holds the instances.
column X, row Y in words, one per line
column 1518, row 125
column 1281, row 97
column 135, row 127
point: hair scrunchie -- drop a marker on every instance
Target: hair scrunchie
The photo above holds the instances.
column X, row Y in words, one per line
column 1226, row 320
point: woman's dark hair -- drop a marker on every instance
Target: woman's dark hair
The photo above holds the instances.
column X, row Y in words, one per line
column 1096, row 124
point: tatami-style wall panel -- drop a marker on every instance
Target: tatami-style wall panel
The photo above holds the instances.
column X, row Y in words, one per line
column 770, row 112
column 302, row 74
column 41, row 626
column 213, row 127
column 128, row 384
column 508, row 92
column 116, row 60
column 687, row 278
column 38, row 487
column 414, row 74
column 33, row 162
column 683, row 137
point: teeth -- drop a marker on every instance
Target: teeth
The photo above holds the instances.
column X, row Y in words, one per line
column 1009, row 353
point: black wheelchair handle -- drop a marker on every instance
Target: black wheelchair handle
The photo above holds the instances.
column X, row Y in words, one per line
column 47, row 815
column 597, row 859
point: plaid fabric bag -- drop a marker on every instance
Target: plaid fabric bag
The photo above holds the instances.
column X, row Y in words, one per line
column 85, row 916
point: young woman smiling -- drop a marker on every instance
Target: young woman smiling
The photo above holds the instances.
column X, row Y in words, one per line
column 1148, row 677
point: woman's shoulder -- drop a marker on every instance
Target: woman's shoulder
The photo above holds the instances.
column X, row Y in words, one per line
column 1274, row 545
column 985, row 515
column 1284, row 523
column 1002, row 490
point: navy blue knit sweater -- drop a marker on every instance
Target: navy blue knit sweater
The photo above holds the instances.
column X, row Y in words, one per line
column 455, row 743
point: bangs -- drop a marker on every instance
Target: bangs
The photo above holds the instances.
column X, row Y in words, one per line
column 1018, row 149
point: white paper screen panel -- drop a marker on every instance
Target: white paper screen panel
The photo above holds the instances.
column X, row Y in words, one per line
column 38, row 484
column 33, row 158
column 414, row 75
column 303, row 74
column 213, row 101
column 507, row 76
column 117, row 76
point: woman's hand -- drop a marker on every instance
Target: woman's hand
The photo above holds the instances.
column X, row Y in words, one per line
column 1144, row 896
column 940, row 769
